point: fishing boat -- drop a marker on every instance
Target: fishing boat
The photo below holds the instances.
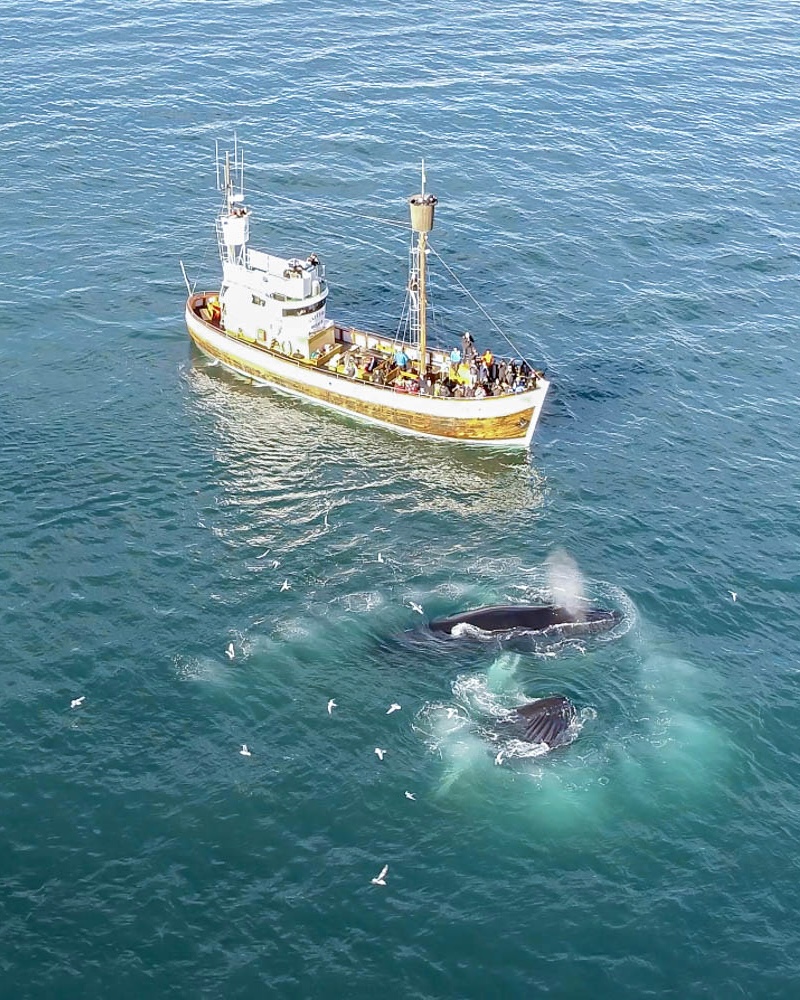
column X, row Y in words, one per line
column 268, row 322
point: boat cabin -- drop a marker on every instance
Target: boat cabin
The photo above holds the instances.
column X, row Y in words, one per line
column 276, row 301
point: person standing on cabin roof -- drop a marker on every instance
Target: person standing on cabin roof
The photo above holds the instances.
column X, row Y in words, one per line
column 401, row 358
column 468, row 346
column 455, row 357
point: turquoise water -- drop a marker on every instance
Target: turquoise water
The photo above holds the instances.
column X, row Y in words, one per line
column 618, row 184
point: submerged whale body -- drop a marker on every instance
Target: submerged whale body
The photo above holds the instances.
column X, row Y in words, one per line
column 546, row 720
column 510, row 618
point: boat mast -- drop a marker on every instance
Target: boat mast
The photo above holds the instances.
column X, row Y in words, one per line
column 422, row 209
column 233, row 223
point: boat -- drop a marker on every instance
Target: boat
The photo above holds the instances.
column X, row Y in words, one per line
column 268, row 323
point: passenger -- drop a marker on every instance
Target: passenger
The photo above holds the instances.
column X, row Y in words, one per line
column 467, row 346
column 480, row 391
column 444, row 390
column 458, row 392
column 401, row 359
column 455, row 357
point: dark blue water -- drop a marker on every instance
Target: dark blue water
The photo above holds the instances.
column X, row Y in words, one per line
column 618, row 186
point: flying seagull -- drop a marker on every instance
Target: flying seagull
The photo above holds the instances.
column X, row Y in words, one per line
column 733, row 594
column 331, row 705
column 244, row 751
column 499, row 758
column 380, row 557
column 394, row 707
column 416, row 608
column 380, row 879
column 77, row 702
column 379, row 753
column 276, row 563
column 230, row 652
column 285, row 585
column 410, row 795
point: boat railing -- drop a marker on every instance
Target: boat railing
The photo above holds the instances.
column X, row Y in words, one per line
column 332, row 360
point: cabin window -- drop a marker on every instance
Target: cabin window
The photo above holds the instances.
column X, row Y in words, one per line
column 303, row 310
column 257, row 301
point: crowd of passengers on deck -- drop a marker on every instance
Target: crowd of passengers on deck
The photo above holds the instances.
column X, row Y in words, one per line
column 470, row 375
column 463, row 374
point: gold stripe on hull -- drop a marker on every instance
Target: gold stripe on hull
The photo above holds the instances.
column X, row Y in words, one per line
column 508, row 429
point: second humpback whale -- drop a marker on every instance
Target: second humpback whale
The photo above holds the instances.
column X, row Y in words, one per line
column 520, row 618
column 546, row 720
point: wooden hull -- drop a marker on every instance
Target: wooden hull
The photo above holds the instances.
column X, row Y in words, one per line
column 505, row 421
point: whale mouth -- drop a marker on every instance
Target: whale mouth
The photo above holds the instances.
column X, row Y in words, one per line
column 547, row 720
column 511, row 728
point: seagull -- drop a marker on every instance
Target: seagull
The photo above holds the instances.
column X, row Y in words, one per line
column 380, row 879
column 331, row 705
column 77, row 702
column 325, row 522
column 394, row 707
column 733, row 594
column 244, row 751
column 276, row 563
column 264, row 554
column 380, row 557
column 230, row 652
column 499, row 758
column 452, row 713
column 285, row 585
column 416, row 608
column 410, row 795
column 379, row 753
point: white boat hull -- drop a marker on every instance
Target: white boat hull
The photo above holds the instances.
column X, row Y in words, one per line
column 506, row 421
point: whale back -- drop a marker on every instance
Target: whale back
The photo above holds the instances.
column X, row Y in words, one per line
column 505, row 617
column 500, row 618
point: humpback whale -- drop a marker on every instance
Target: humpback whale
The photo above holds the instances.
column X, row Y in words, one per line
column 546, row 720
column 516, row 618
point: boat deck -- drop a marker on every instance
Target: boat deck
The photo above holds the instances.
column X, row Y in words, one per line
column 356, row 355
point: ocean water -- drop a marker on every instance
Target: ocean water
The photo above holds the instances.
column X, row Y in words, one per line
column 618, row 186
